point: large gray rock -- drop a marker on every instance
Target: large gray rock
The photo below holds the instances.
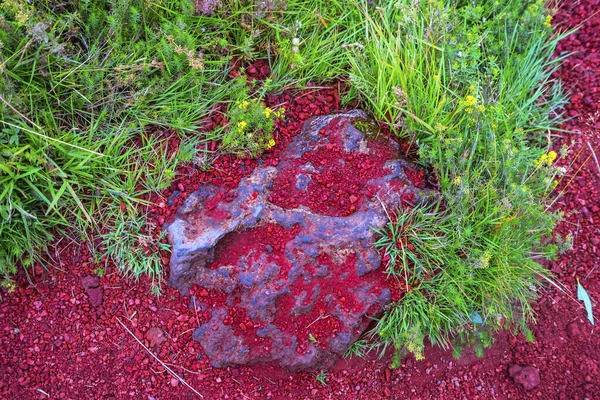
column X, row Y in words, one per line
column 297, row 287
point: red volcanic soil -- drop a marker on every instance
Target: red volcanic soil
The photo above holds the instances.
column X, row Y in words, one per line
column 340, row 187
column 55, row 344
column 317, row 325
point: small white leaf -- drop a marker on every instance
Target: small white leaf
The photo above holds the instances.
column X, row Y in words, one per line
column 583, row 296
column 476, row 318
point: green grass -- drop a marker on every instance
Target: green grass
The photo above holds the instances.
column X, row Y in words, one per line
column 360, row 348
column 77, row 91
column 322, row 378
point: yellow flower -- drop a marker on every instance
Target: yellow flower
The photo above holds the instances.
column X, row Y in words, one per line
column 470, row 101
column 270, row 144
column 481, row 108
column 268, row 112
column 547, row 23
column 195, row 62
column 279, row 113
column 541, row 161
column 546, row 159
column 244, row 105
column 414, row 346
column 241, row 125
column 485, row 259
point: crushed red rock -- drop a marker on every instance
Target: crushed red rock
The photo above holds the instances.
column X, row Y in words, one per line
column 528, row 377
column 91, row 285
column 63, row 348
column 155, row 336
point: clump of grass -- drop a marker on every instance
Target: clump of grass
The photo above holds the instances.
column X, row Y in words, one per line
column 130, row 245
column 360, row 348
column 37, row 175
column 471, row 84
column 80, row 81
column 322, row 378
column 249, row 122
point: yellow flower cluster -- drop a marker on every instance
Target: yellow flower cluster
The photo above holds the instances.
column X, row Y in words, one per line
column 485, row 259
column 470, row 104
column 470, row 101
column 279, row 113
column 270, row 144
column 546, row 159
column 547, row 22
column 19, row 9
column 9, row 284
column 268, row 112
column 241, row 126
column 417, row 349
column 440, row 127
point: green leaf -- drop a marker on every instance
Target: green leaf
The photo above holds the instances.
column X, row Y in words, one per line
column 583, row 296
column 56, row 197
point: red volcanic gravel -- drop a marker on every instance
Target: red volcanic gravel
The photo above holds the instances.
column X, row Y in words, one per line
column 316, row 323
column 337, row 189
column 60, row 337
column 236, row 244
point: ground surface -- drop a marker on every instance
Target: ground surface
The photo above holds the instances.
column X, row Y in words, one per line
column 55, row 344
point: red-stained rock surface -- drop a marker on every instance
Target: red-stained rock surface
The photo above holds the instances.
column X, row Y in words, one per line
column 295, row 254
column 54, row 343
